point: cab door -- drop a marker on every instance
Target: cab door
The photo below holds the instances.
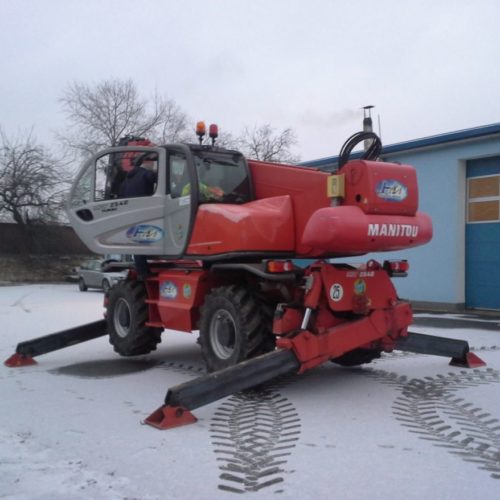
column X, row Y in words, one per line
column 109, row 222
column 180, row 210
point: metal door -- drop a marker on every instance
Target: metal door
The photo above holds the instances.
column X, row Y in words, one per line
column 482, row 235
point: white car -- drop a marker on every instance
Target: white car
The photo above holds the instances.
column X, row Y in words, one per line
column 93, row 274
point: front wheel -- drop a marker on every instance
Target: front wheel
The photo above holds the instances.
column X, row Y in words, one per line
column 127, row 314
column 81, row 285
column 234, row 326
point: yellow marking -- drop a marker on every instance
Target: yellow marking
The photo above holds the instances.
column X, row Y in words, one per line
column 335, row 187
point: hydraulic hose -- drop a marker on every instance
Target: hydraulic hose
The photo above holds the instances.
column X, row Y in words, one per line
column 372, row 153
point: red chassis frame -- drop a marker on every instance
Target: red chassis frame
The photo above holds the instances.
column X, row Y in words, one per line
column 377, row 321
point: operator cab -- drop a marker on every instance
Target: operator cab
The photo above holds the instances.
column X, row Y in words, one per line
column 144, row 199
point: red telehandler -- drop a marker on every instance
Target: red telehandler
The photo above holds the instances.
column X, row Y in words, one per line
column 246, row 252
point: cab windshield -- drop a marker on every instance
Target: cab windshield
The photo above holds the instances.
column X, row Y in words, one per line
column 222, row 177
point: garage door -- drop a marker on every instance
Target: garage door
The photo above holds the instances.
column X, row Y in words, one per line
column 482, row 235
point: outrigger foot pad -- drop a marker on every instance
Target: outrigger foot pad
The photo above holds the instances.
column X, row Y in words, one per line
column 19, row 360
column 470, row 360
column 166, row 417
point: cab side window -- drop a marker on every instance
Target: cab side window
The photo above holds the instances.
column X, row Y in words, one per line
column 125, row 175
column 179, row 177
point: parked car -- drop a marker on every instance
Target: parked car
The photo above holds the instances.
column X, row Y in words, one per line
column 101, row 274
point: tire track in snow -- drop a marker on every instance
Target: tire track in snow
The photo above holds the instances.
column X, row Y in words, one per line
column 253, row 432
column 429, row 408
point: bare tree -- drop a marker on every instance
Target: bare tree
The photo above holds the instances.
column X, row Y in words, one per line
column 265, row 143
column 101, row 114
column 226, row 140
column 31, row 181
column 174, row 127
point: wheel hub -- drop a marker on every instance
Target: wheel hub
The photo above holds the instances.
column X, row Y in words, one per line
column 122, row 318
column 222, row 334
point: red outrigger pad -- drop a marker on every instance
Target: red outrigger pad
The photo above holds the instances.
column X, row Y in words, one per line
column 167, row 417
column 470, row 361
column 19, row 360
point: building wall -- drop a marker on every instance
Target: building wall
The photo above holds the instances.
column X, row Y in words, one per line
column 437, row 270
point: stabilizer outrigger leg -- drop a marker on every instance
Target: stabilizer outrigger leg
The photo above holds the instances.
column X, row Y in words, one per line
column 204, row 390
column 457, row 350
column 26, row 351
column 296, row 355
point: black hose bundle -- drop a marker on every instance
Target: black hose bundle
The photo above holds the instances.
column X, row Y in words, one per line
column 372, row 153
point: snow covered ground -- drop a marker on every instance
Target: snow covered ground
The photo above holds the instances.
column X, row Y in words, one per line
column 405, row 426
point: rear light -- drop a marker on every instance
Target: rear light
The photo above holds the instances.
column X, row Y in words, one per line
column 397, row 267
column 279, row 266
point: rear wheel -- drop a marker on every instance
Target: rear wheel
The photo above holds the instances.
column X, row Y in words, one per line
column 81, row 285
column 357, row 357
column 127, row 314
column 234, row 326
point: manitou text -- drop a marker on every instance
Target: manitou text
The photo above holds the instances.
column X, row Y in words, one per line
column 408, row 230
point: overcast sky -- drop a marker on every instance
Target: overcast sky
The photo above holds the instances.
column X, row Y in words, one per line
column 429, row 67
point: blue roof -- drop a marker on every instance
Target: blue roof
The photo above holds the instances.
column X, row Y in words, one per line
column 435, row 140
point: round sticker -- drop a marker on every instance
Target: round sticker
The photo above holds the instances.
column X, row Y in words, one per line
column 336, row 292
column 168, row 290
column 359, row 287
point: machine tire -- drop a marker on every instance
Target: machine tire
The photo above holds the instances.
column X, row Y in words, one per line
column 126, row 316
column 234, row 326
column 81, row 285
column 357, row 357
column 106, row 286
